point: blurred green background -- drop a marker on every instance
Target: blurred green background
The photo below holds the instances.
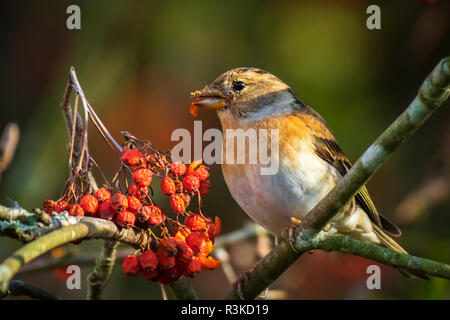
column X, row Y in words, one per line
column 137, row 62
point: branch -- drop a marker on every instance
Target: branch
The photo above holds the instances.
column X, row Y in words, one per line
column 433, row 92
column 8, row 145
column 104, row 265
column 182, row 290
column 63, row 232
column 80, row 259
column 19, row 288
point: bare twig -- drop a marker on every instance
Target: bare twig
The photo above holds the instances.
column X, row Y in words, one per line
column 20, row 288
column 8, row 145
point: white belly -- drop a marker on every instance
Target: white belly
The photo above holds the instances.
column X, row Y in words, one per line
column 271, row 200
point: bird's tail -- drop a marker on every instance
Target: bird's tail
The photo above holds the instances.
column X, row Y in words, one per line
column 388, row 242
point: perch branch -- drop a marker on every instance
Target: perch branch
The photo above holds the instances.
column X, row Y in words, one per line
column 102, row 270
column 433, row 92
column 20, row 288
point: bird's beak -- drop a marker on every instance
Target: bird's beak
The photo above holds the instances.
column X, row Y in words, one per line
column 209, row 98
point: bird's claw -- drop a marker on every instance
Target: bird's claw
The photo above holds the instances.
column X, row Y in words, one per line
column 288, row 233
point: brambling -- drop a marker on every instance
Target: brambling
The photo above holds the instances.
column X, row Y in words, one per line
column 310, row 159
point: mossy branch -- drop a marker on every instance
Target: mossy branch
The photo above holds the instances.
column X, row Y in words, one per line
column 432, row 94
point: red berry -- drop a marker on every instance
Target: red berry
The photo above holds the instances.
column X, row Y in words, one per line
column 102, row 194
column 168, row 245
column 177, row 168
column 143, row 177
column 50, row 206
column 167, row 186
column 191, row 183
column 195, row 240
column 62, row 206
column 192, row 268
column 149, row 260
column 202, row 173
column 156, row 217
column 134, row 204
column 204, row 187
column 214, row 228
column 165, row 261
column 150, row 274
column 125, row 219
column 76, row 210
column 119, row 202
column 105, row 211
column 89, row 203
column 195, row 222
column 133, row 157
column 184, row 257
column 177, row 203
column 169, row 275
column 130, row 265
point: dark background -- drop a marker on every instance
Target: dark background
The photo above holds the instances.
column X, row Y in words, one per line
column 137, row 62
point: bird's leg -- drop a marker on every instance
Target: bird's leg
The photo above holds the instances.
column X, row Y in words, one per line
column 288, row 233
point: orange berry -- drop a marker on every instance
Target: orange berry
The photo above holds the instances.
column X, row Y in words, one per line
column 102, row 194
column 132, row 157
column 143, row 177
column 191, row 183
column 134, row 204
column 62, row 206
column 177, row 203
column 125, row 219
column 89, row 203
column 167, row 186
column 76, row 210
column 177, row 168
column 50, row 206
column 195, row 222
column 209, row 262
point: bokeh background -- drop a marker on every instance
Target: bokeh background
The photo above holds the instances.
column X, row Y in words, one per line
column 137, row 62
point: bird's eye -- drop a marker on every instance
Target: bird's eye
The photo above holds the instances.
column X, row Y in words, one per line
column 238, row 85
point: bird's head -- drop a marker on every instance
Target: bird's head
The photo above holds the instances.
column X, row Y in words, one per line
column 247, row 94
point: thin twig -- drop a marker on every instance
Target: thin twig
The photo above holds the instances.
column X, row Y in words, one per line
column 20, row 288
column 8, row 145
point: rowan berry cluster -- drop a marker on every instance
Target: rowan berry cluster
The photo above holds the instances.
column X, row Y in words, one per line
column 179, row 248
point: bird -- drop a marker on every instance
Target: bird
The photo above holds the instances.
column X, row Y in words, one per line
column 310, row 159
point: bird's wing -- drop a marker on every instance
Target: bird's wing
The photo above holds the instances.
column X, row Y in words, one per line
column 329, row 150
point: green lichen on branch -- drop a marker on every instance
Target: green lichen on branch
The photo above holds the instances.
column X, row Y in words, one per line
column 104, row 265
column 432, row 94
